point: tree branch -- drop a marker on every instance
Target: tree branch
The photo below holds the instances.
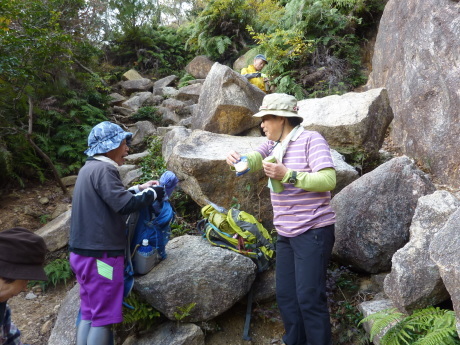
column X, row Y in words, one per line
column 89, row 71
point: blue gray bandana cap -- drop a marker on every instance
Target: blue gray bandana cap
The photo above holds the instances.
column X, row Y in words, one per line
column 106, row 136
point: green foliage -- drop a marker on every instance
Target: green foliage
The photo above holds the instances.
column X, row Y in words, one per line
column 179, row 229
column 343, row 298
column 158, row 50
column 286, row 84
column 185, row 79
column 148, row 113
column 44, row 218
column 219, row 31
column 62, row 130
column 187, row 213
column 40, row 43
column 153, row 165
column 143, row 316
column 313, row 35
column 57, row 271
column 183, row 312
column 429, row 326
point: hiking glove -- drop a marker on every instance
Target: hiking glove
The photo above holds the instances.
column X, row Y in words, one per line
column 160, row 192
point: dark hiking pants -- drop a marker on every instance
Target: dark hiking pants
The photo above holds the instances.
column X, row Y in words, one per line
column 301, row 264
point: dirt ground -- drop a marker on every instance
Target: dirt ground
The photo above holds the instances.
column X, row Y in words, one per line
column 30, row 207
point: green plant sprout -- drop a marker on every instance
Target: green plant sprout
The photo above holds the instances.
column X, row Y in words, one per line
column 184, row 311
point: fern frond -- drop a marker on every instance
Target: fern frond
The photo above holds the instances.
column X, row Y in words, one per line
column 64, row 149
column 445, row 336
column 383, row 320
column 399, row 332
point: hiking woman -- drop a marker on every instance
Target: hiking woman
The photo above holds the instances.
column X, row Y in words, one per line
column 97, row 231
column 300, row 180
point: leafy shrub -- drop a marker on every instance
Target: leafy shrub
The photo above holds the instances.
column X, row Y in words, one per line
column 159, row 50
column 185, row 79
column 315, row 34
column 153, row 165
column 57, row 271
column 142, row 316
column 62, row 129
column 429, row 326
column 219, row 31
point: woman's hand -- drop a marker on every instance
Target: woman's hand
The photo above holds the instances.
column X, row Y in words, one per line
column 148, row 184
column 274, row 170
column 233, row 157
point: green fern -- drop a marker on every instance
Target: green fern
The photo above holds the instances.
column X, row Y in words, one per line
column 184, row 311
column 143, row 315
column 429, row 326
column 57, row 271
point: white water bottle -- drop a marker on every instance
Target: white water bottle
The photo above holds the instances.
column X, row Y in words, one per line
column 146, row 249
column 145, row 258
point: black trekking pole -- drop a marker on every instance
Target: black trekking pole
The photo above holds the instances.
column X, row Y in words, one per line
column 247, row 322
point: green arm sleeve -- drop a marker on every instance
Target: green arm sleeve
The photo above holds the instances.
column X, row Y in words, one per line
column 254, row 161
column 321, row 181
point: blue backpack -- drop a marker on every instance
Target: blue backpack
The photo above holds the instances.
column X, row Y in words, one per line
column 153, row 223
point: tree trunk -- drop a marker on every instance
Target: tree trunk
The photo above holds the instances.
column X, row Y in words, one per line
column 40, row 152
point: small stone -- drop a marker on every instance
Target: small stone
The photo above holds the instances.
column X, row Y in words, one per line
column 31, row 295
column 46, row 327
column 44, row 200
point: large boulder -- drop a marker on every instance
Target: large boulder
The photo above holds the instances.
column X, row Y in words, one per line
column 227, row 102
column 199, row 67
column 190, row 92
column 137, row 100
column 345, row 173
column 141, row 130
column 172, row 136
column 171, row 333
column 56, row 232
column 353, row 122
column 64, row 330
column 444, row 249
column 198, row 159
column 374, row 214
column 414, row 281
column 199, row 163
column 132, row 74
column 164, row 82
column 416, row 57
column 136, row 85
column 196, row 272
column 116, row 99
column 168, row 117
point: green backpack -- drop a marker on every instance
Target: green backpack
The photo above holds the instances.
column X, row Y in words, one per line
column 238, row 231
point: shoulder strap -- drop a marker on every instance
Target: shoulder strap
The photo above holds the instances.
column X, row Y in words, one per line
column 251, row 227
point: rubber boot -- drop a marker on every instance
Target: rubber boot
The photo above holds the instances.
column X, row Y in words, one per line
column 100, row 335
column 82, row 331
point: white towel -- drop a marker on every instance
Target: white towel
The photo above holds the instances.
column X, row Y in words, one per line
column 280, row 149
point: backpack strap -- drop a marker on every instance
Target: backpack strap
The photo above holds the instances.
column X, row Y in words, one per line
column 252, row 228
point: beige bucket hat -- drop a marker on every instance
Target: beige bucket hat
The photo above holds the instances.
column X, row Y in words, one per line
column 278, row 104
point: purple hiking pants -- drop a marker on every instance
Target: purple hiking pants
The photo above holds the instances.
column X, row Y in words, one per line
column 101, row 288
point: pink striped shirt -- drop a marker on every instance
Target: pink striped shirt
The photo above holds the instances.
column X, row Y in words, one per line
column 296, row 210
